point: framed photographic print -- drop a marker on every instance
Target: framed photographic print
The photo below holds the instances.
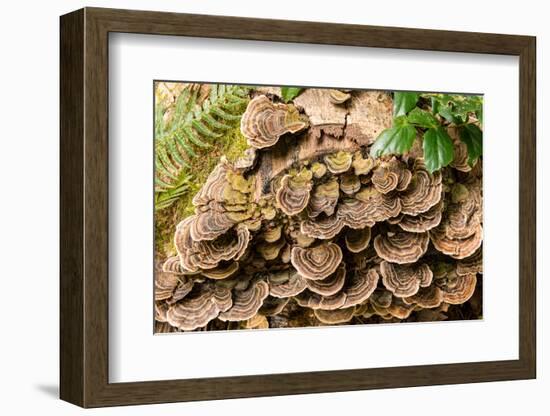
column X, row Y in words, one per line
column 255, row 207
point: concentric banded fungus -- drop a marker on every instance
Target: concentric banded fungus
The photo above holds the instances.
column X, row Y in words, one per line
column 358, row 240
column 212, row 190
column 399, row 309
column 264, row 122
column 318, row 170
column 380, row 206
column 390, row 175
column 172, row 265
column 318, row 262
column 338, row 162
column 426, row 297
column 355, row 213
column 195, row 255
column 422, row 222
column 333, row 317
column 360, row 286
column 286, row 283
column 324, row 198
column 471, row 265
column 308, row 299
column 272, row 234
column 258, row 321
column 423, row 192
column 200, row 307
column 222, row 272
column 246, row 303
column 350, row 184
column 402, row 247
column 323, row 228
column 182, row 290
column 165, row 283
column 330, row 285
column 459, row 289
column 209, row 225
column 404, row 281
column 458, row 248
column 293, row 193
column 460, row 161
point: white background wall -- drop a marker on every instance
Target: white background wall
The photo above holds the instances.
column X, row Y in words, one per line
column 29, row 158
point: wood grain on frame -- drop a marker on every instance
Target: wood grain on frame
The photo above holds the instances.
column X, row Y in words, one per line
column 84, row 207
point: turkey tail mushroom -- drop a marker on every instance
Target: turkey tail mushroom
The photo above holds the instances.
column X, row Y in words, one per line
column 318, row 262
column 264, row 122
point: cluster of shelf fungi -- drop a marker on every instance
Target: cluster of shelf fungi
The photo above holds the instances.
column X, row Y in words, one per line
column 307, row 229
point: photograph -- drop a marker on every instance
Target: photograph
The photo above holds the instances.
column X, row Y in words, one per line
column 292, row 207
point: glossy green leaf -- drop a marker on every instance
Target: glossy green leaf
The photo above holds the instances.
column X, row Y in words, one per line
column 473, row 137
column 422, row 118
column 288, row 93
column 395, row 140
column 403, row 102
column 438, row 148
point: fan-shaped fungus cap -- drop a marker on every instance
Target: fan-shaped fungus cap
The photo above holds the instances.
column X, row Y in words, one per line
column 195, row 255
column 402, row 247
column 324, row 198
column 361, row 165
column 212, row 190
column 183, row 288
column 248, row 160
column 358, row 240
column 379, row 206
column 423, row 192
column 360, row 286
column 322, row 228
column 404, row 281
column 222, row 272
column 264, row 122
column 355, row 213
column 246, row 303
column 399, row 309
column 458, row 290
column 471, row 265
column 165, row 283
column 200, row 307
column 209, row 225
column 308, row 299
column 338, row 162
column 424, row 221
column 426, row 297
column 286, row 283
column 293, row 193
column 339, row 97
column 338, row 316
column 458, row 248
column 329, row 285
column 318, row 262
column 350, row 183
column 172, row 265
column 390, row 175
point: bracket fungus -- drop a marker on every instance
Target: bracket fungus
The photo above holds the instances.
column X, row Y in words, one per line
column 311, row 230
column 264, row 122
column 318, row 262
column 401, row 247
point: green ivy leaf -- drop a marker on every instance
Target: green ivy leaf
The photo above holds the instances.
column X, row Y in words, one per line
column 403, row 102
column 288, row 93
column 395, row 140
column 438, row 148
column 422, row 118
column 472, row 136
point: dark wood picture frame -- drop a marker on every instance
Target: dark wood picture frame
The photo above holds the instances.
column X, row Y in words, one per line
column 84, row 207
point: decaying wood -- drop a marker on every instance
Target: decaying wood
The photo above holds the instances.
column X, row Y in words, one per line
column 324, row 115
column 375, row 114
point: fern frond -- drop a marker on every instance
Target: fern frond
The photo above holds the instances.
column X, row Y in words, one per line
column 188, row 127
